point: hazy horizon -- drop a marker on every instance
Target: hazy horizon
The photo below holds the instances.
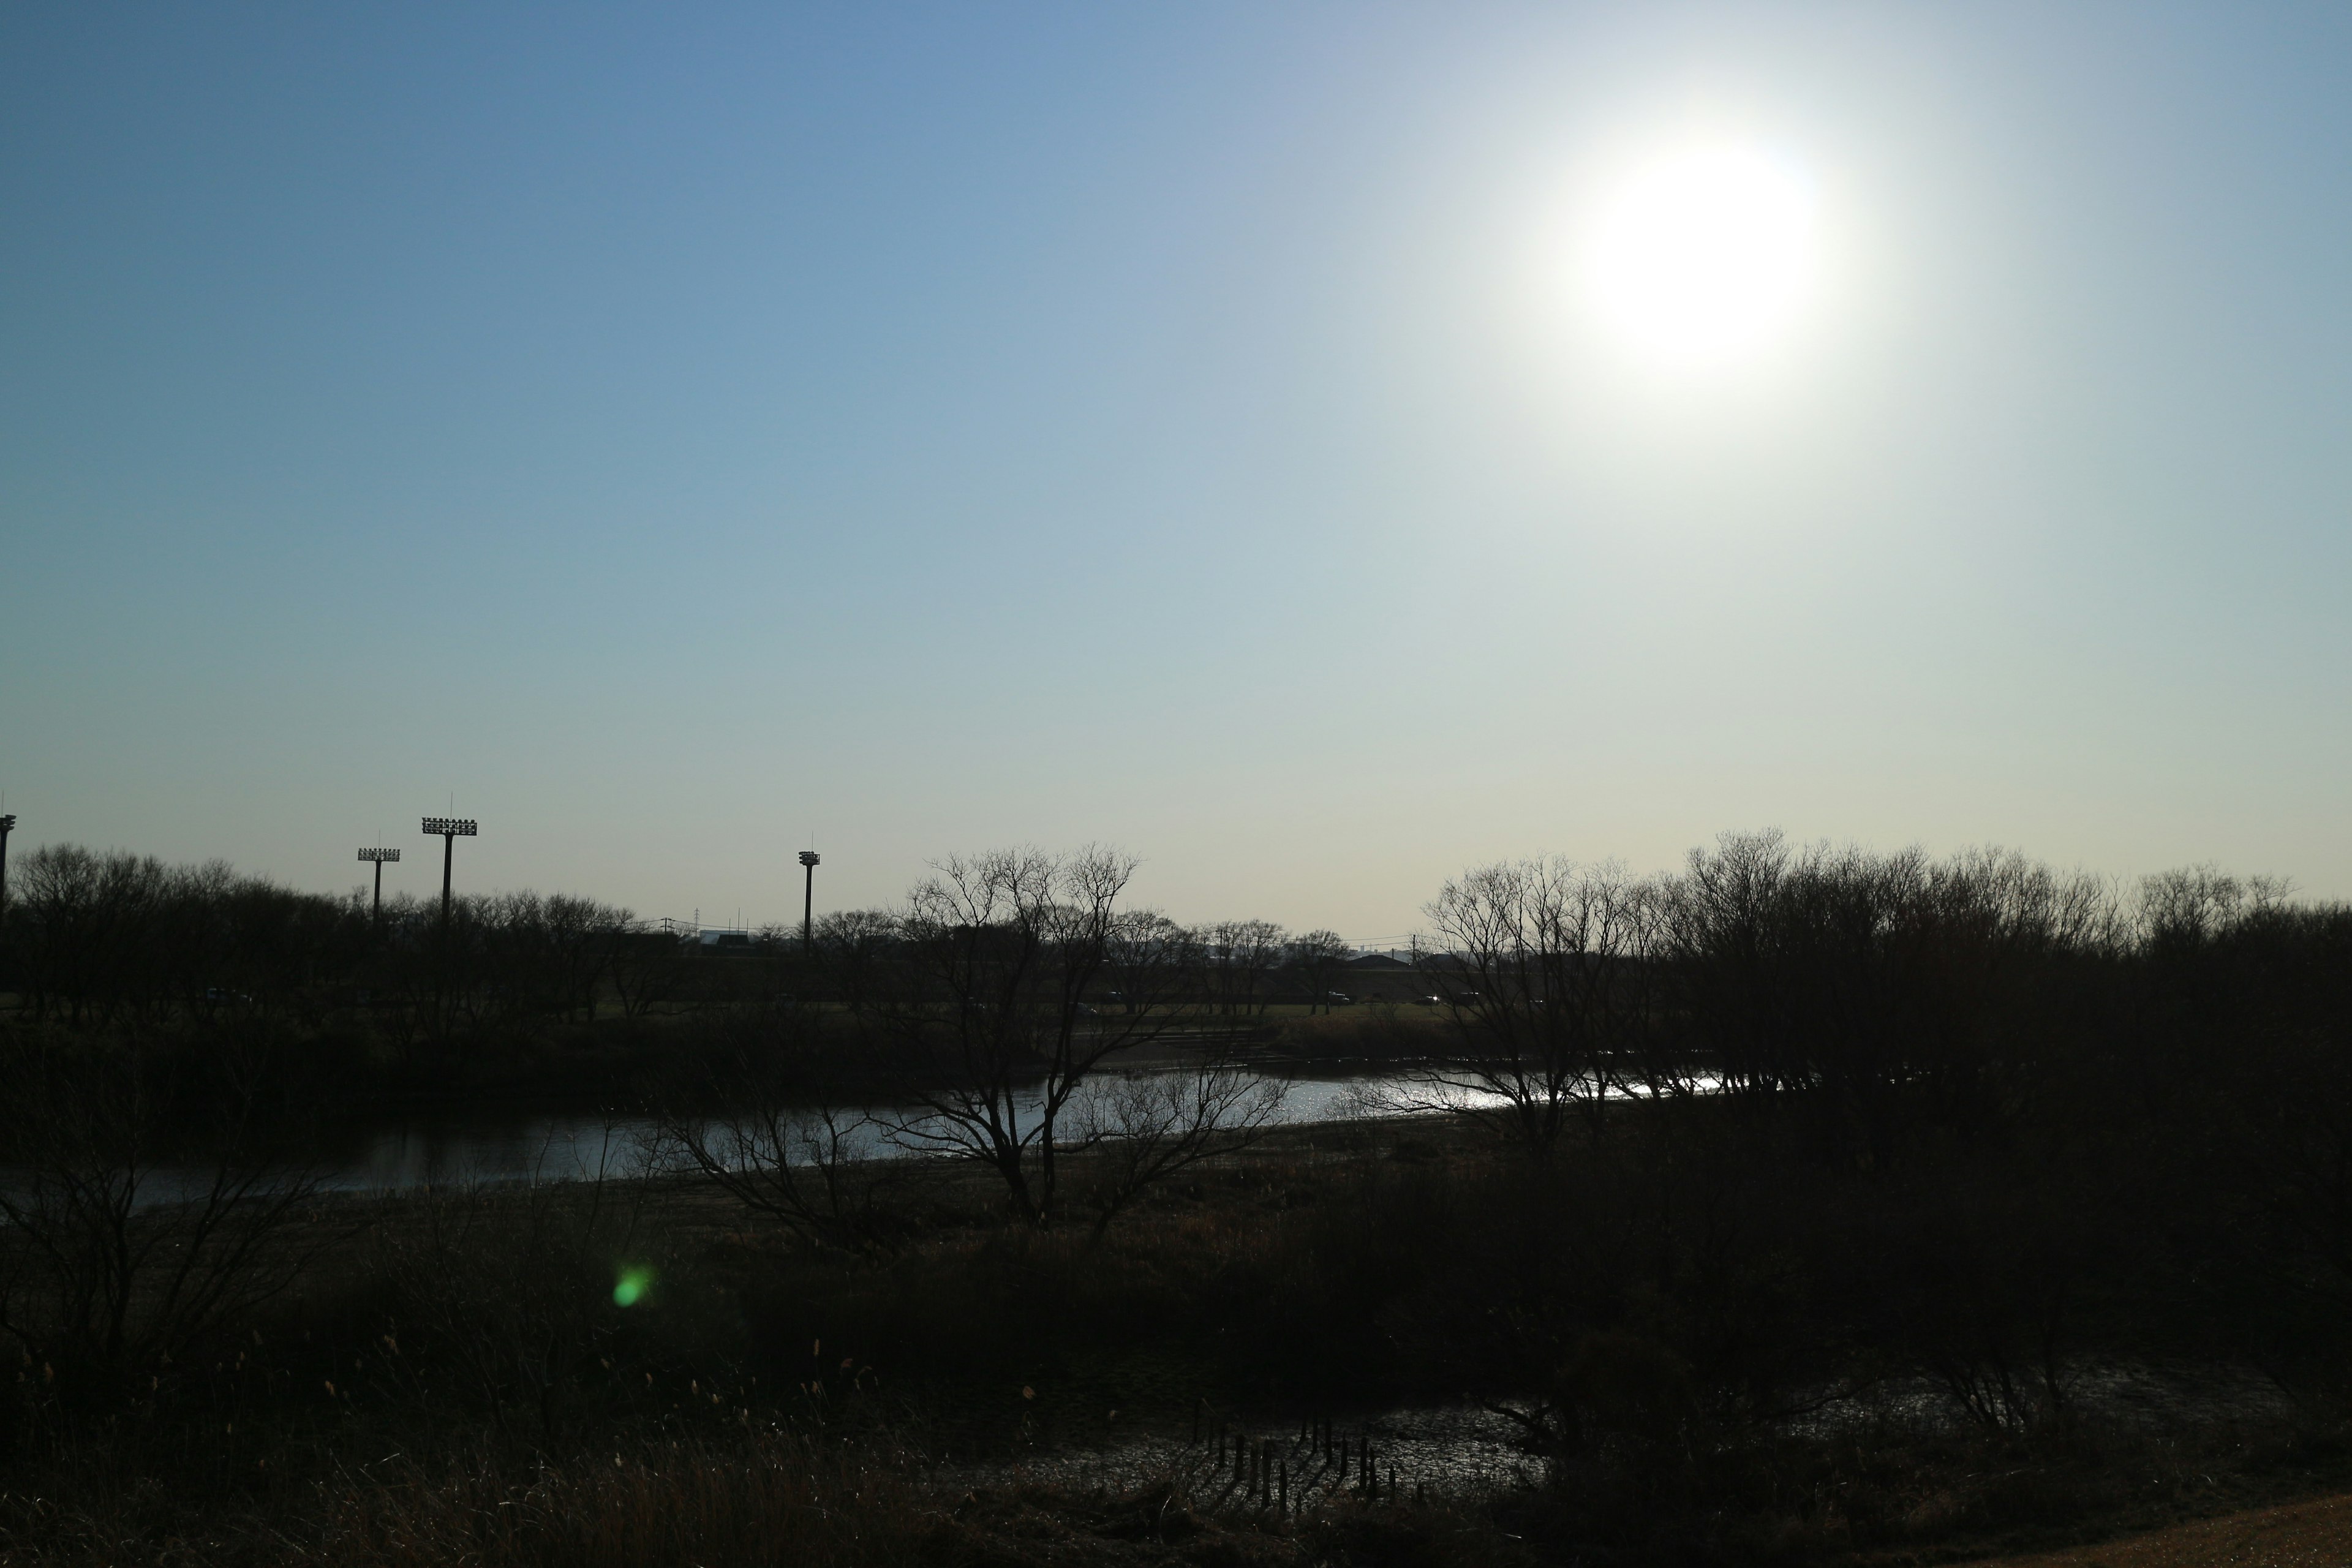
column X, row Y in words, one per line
column 670, row 437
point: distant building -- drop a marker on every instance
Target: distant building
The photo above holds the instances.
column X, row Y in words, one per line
column 716, row 941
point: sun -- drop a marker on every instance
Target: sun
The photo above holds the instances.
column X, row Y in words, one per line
column 1703, row 256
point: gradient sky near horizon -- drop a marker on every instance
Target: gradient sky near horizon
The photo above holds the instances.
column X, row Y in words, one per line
column 669, row 433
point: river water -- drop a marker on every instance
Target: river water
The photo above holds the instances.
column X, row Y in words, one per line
column 494, row 1144
column 440, row 1146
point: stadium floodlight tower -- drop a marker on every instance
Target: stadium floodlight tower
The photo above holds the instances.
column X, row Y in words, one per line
column 376, row 910
column 808, row 897
column 7, row 825
column 451, row 829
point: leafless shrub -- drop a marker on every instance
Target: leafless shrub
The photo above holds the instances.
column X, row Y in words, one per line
column 1144, row 1127
column 116, row 1259
column 775, row 1133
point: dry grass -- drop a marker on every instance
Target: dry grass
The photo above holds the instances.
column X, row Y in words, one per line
column 1329, row 1269
column 777, row 1499
column 2312, row 1534
column 771, row 1501
column 770, row 1498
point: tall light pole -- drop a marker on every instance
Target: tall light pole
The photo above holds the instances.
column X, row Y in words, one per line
column 376, row 910
column 7, row 825
column 808, row 898
column 451, row 829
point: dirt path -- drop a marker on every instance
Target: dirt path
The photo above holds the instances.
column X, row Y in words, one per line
column 2314, row 1535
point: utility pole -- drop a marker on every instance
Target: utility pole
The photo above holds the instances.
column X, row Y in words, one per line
column 451, row 829
column 808, row 899
column 7, row 825
column 376, row 910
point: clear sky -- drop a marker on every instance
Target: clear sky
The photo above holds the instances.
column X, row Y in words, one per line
column 675, row 431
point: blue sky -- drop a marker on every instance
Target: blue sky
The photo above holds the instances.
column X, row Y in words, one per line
column 676, row 431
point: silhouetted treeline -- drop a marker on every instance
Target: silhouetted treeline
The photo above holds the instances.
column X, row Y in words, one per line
column 1888, row 992
column 1876, row 997
column 112, row 942
column 1792, row 1110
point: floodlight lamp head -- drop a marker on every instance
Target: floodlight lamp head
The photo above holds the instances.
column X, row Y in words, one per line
column 380, row 855
column 450, row 827
column 7, row 821
column 808, row 856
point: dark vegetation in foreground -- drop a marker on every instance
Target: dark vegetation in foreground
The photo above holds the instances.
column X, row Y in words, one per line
column 1904, row 1161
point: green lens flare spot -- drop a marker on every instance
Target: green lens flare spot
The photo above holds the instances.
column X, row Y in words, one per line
column 634, row 1282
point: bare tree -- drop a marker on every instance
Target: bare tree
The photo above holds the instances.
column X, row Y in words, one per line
column 1318, row 957
column 1553, row 993
column 2202, row 903
column 1005, row 963
column 1238, row 959
column 854, row 950
column 648, row 968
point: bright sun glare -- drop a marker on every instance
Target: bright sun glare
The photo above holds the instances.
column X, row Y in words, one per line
column 1703, row 256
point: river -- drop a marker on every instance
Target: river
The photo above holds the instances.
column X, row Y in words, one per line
column 442, row 1145
column 494, row 1143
